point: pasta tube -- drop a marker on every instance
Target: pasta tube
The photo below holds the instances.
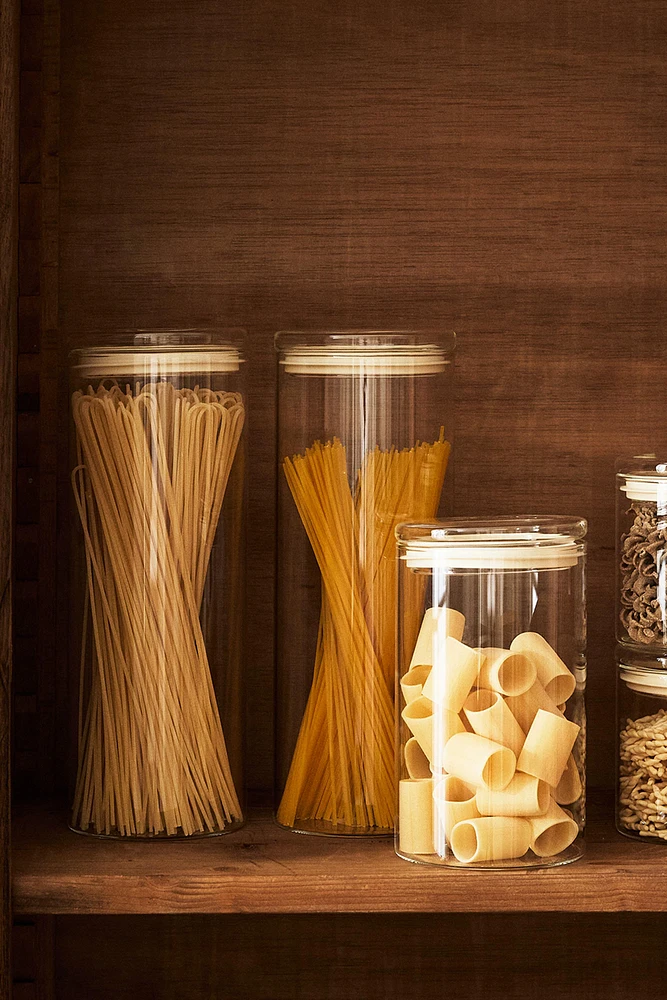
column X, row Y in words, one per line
column 548, row 745
column 415, row 809
column 479, row 761
column 553, row 832
column 490, row 838
column 454, row 802
column 413, row 682
column 525, row 706
column 425, row 726
column 453, row 675
column 416, row 760
column 552, row 673
column 489, row 716
column 452, row 624
column 569, row 787
column 506, row 672
column 524, row 796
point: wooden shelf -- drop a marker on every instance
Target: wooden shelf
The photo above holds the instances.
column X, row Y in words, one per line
column 263, row 869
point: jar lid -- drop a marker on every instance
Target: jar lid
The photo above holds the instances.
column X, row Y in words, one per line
column 647, row 681
column 364, row 353
column 507, row 543
column 643, row 477
column 102, row 362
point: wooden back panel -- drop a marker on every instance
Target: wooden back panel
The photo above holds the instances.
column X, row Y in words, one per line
column 494, row 168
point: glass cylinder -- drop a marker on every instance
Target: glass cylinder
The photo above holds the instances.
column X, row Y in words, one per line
column 641, row 792
column 157, row 583
column 641, row 518
column 364, row 438
column 490, row 692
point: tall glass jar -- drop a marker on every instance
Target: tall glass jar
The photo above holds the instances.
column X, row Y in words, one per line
column 364, row 438
column 491, row 675
column 157, row 578
column 641, row 792
column 641, row 518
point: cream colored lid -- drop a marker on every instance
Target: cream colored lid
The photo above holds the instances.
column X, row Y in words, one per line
column 521, row 551
column 652, row 488
column 364, row 360
column 644, row 681
column 177, row 360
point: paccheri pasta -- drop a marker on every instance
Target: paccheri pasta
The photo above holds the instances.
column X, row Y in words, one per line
column 152, row 471
column 342, row 770
column 495, row 790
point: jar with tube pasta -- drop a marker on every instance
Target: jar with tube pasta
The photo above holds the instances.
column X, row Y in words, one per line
column 157, row 476
column 490, row 709
column 364, row 442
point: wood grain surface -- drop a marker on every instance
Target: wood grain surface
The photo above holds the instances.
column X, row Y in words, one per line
column 495, row 168
column 264, row 869
column 9, row 150
column 415, row 957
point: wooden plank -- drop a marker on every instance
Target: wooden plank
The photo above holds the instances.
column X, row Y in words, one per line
column 415, row 957
column 493, row 168
column 9, row 122
column 264, row 869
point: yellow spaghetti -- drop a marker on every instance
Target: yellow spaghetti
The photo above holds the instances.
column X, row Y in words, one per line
column 342, row 770
column 153, row 466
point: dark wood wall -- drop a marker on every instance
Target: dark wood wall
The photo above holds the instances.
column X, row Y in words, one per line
column 494, row 167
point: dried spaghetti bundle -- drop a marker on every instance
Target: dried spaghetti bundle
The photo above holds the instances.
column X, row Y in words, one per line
column 153, row 466
column 342, row 771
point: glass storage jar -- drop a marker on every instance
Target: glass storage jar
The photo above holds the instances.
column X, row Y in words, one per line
column 641, row 517
column 641, row 793
column 157, row 583
column 364, row 437
column 491, row 678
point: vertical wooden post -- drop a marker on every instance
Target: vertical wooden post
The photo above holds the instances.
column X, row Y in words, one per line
column 9, row 65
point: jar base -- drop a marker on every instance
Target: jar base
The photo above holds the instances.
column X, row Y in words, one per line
column 321, row 828
column 529, row 861
column 647, row 838
column 164, row 837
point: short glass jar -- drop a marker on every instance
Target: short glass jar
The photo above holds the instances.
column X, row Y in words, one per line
column 364, row 440
column 641, row 793
column 491, row 675
column 641, row 518
column 156, row 575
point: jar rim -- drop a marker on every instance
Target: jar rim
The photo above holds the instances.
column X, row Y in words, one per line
column 163, row 352
column 365, row 352
column 521, row 542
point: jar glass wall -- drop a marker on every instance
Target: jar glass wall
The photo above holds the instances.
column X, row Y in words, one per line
column 491, row 679
column 641, row 799
column 641, row 517
column 364, row 439
column 157, row 583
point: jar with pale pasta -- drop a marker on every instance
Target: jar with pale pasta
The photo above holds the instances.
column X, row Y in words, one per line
column 156, row 576
column 491, row 675
column 364, row 441
column 641, row 790
column 641, row 517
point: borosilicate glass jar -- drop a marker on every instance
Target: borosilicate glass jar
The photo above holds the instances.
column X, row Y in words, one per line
column 490, row 692
column 364, row 441
column 156, row 575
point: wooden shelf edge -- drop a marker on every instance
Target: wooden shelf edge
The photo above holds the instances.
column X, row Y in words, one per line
column 263, row 869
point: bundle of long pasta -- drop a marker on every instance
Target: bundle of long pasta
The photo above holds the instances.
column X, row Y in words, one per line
column 153, row 465
column 342, row 771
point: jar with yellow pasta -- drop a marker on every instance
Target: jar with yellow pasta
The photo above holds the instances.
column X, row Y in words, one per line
column 491, row 675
